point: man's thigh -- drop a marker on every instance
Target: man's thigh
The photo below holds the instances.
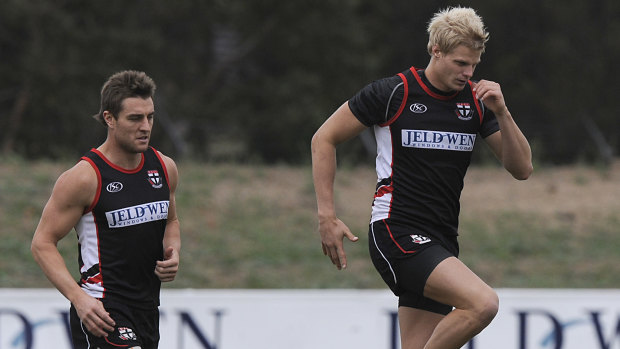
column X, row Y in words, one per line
column 452, row 282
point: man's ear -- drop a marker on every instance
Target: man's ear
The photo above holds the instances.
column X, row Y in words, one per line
column 109, row 118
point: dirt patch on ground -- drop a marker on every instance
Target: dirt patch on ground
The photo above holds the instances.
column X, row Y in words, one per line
column 571, row 194
column 575, row 194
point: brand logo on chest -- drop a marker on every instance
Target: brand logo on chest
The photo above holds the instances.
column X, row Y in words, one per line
column 143, row 213
column 114, row 187
column 438, row 140
column 418, row 108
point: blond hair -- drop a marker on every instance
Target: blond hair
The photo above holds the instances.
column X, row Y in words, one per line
column 456, row 26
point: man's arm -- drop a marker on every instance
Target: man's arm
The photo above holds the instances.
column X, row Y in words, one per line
column 73, row 192
column 341, row 126
column 509, row 144
column 166, row 270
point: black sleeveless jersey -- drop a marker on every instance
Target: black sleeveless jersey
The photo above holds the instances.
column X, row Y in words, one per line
column 121, row 235
column 424, row 141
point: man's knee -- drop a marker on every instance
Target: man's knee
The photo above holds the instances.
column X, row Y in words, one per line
column 487, row 306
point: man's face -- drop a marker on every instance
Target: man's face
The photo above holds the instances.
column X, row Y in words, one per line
column 132, row 129
column 455, row 68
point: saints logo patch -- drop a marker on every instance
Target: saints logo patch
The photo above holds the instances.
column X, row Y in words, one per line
column 419, row 239
column 126, row 334
column 463, row 111
column 154, row 179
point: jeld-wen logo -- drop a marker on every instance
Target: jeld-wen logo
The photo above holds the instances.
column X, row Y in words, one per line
column 148, row 212
column 440, row 140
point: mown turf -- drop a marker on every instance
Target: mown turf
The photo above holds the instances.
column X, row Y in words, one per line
column 255, row 227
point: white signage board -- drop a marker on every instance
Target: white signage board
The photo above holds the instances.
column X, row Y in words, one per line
column 323, row 319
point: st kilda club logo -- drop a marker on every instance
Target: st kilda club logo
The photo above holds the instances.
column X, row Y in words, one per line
column 463, row 111
column 155, row 179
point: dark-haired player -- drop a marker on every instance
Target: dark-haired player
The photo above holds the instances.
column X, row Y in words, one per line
column 120, row 200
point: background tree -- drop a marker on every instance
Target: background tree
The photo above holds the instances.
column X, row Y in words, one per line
column 251, row 80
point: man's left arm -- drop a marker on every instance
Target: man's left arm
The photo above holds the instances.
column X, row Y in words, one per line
column 167, row 269
column 509, row 144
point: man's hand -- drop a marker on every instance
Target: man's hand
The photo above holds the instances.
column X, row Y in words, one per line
column 166, row 270
column 94, row 316
column 491, row 94
column 332, row 233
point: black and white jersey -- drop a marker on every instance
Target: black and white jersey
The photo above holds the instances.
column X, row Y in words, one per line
column 424, row 141
column 121, row 235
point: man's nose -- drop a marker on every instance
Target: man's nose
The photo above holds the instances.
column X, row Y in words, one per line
column 469, row 72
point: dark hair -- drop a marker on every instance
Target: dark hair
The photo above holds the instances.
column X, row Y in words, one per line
column 122, row 85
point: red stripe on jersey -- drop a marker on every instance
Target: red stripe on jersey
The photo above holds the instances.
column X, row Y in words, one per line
column 118, row 168
column 96, row 199
column 385, row 189
column 476, row 102
column 163, row 164
column 428, row 90
column 97, row 279
column 402, row 104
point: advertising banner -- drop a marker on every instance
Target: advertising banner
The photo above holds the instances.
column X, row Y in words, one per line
column 323, row 319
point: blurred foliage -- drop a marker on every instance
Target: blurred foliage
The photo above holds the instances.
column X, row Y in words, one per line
column 250, row 81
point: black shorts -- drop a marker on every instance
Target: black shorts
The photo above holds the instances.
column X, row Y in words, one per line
column 134, row 327
column 405, row 257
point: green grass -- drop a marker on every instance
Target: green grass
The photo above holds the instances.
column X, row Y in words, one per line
column 529, row 251
column 255, row 227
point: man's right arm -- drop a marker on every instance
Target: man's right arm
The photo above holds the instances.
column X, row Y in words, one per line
column 341, row 126
column 73, row 192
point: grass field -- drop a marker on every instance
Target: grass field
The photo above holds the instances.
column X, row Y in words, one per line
column 255, row 226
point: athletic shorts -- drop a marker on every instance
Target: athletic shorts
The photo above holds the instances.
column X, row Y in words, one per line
column 134, row 327
column 405, row 257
